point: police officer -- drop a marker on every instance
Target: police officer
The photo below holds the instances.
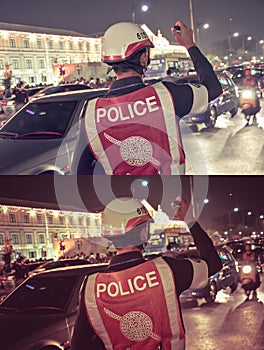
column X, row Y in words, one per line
column 135, row 303
column 133, row 129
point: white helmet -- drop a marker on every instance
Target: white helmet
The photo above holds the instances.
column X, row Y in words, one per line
column 123, row 40
column 122, row 215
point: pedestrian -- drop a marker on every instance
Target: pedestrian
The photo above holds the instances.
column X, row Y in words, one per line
column 133, row 129
column 21, row 96
column 135, row 304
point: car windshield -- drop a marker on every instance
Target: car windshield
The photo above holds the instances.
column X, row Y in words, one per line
column 52, row 117
column 50, row 293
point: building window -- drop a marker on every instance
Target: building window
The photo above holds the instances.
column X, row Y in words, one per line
column 39, row 219
column 61, row 45
column 32, row 80
column 29, row 238
column 41, row 239
column 26, row 44
column 12, row 42
column 50, row 219
column 87, row 221
column 71, row 45
column 15, row 64
column 26, row 218
column 15, row 239
column 12, row 217
column 39, row 44
column 71, row 220
column 80, row 221
column 1, row 239
column 41, row 63
column 32, row 255
column 50, row 45
column 80, row 46
column 29, row 64
column 61, row 218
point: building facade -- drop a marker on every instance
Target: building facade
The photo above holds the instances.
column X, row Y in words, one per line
column 37, row 233
column 34, row 55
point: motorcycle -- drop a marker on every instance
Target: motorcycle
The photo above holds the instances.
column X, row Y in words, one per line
column 249, row 103
column 249, row 278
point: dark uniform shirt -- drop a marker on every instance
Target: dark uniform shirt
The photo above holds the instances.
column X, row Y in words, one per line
column 84, row 337
column 182, row 94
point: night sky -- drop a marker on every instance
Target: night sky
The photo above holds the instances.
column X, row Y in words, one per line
column 247, row 192
column 89, row 17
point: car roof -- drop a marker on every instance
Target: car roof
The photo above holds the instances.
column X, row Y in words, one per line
column 72, row 95
column 71, row 270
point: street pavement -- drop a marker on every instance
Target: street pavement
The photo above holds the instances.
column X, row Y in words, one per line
column 230, row 322
column 230, row 148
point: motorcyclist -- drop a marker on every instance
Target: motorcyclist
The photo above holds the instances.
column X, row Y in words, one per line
column 250, row 257
column 250, row 82
column 133, row 129
column 135, row 303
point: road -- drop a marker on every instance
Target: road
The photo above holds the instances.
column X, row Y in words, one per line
column 229, row 148
column 229, row 323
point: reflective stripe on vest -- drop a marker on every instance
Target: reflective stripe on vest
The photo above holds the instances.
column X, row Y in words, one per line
column 136, row 308
column 136, row 133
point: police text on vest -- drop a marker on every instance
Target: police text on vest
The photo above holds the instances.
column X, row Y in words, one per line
column 127, row 111
column 129, row 286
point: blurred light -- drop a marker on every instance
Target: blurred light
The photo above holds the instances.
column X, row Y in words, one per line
column 236, row 209
column 144, row 8
column 249, row 213
column 236, row 34
column 206, row 200
column 144, row 183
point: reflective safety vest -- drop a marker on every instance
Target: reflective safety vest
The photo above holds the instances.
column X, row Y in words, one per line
column 136, row 308
column 137, row 133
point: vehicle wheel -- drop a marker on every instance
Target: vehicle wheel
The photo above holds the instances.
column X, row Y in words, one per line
column 212, row 293
column 213, row 117
column 233, row 286
column 234, row 111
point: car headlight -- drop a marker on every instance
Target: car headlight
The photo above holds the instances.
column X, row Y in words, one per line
column 247, row 94
column 246, row 269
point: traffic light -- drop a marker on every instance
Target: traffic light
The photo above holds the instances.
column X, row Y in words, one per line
column 62, row 245
column 62, row 70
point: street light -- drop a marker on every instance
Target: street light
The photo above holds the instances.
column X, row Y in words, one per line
column 199, row 25
column 143, row 7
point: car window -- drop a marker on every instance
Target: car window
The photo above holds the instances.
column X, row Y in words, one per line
column 53, row 292
column 42, row 117
column 223, row 81
column 223, row 255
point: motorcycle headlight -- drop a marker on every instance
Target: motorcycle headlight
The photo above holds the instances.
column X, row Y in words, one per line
column 247, row 94
column 246, row 269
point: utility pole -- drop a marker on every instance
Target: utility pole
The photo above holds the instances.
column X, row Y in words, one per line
column 191, row 17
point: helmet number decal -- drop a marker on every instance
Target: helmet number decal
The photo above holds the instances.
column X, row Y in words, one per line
column 142, row 210
column 142, row 35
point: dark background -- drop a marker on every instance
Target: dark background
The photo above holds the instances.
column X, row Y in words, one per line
column 223, row 193
column 89, row 17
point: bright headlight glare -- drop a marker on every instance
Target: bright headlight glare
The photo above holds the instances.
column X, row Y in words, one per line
column 246, row 269
column 247, row 94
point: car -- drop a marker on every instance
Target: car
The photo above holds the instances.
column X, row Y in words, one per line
column 40, row 313
column 228, row 276
column 60, row 263
column 40, row 138
column 59, row 88
column 227, row 102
